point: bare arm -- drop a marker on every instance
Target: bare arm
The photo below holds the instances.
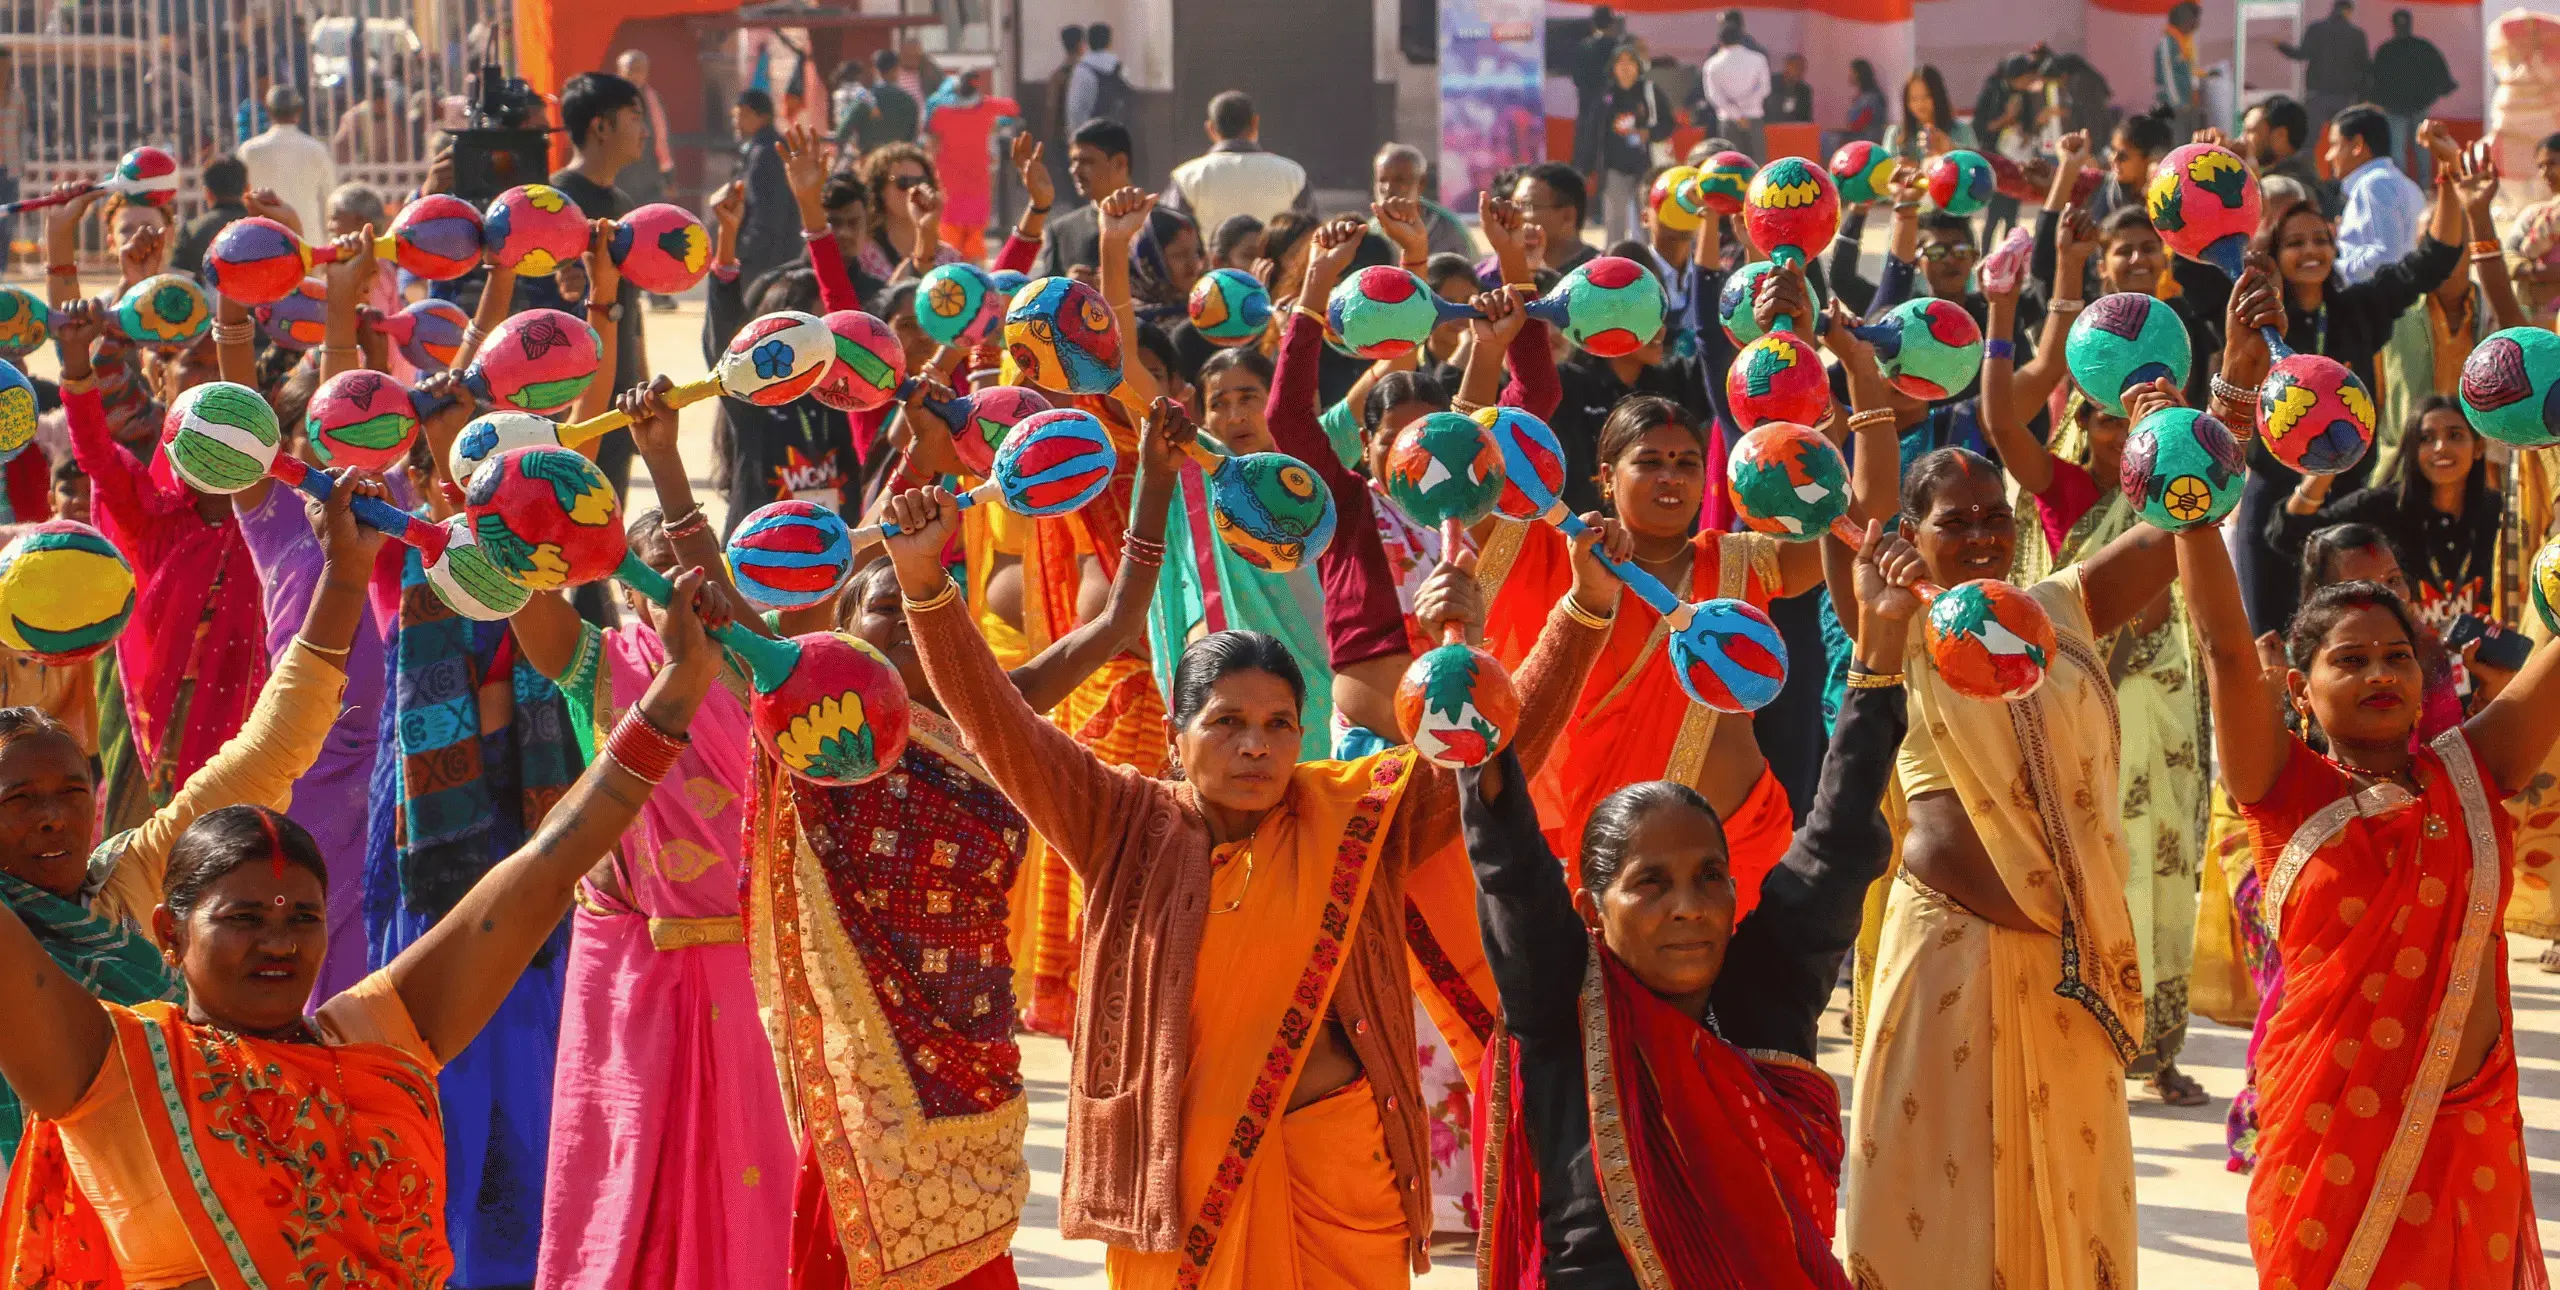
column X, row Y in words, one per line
column 2477, row 186
column 2249, row 740
column 350, row 279
column 1123, row 214
column 2026, row 460
column 454, row 977
column 604, row 288
column 59, row 1033
column 497, row 293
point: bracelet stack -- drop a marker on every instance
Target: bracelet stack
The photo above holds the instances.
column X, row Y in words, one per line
column 1138, row 550
column 1864, row 680
column 1574, row 610
column 243, row 332
column 685, row 525
column 1870, row 419
column 950, row 591
column 643, row 749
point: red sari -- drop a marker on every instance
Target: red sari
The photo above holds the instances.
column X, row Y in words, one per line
column 2374, row 1168
column 1719, row 1168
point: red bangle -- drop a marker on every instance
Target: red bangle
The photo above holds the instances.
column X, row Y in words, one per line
column 643, row 749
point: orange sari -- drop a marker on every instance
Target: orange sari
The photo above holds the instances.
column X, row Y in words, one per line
column 1633, row 722
column 288, row 1164
column 2374, row 1169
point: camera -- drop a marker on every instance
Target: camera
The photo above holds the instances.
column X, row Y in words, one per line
column 503, row 141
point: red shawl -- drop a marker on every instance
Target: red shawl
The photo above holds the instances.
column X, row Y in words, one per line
column 1731, row 1159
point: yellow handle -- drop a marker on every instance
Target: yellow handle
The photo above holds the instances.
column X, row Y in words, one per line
column 691, row 392
column 386, row 247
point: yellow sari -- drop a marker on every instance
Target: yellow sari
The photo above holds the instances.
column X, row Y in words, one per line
column 1989, row 1139
column 1283, row 906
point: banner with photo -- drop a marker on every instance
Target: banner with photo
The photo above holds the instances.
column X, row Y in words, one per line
column 1492, row 104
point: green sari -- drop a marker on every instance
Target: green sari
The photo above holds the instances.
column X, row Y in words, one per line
column 1197, row 566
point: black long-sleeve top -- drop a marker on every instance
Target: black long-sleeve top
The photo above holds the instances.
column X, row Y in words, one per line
column 1779, row 966
column 2449, row 555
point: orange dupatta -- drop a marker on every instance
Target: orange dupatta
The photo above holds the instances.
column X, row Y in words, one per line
column 290, row 1164
column 2384, row 903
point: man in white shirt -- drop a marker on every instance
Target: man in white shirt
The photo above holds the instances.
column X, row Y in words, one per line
column 297, row 166
column 2382, row 209
column 1235, row 176
column 1737, row 85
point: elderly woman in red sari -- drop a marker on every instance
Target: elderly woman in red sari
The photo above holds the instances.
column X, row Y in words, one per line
column 1245, row 1108
column 230, row 1141
column 1645, row 1024
column 2390, row 1138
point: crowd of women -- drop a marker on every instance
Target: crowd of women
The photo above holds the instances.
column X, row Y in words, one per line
column 402, row 962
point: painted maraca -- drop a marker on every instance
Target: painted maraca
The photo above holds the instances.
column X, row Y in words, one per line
column 428, row 332
column 534, row 229
column 491, row 433
column 1724, row 181
column 1988, row 639
column 258, row 261
column 1928, row 347
column 1060, row 334
column 17, row 412
column 982, row 420
column 437, row 237
column 1960, row 182
column 1727, row 654
column 1052, row 463
column 300, row 320
column 65, row 593
column 2182, row 468
column 1791, row 211
column 1777, row 377
column 2314, row 415
column 1672, row 197
column 221, row 438
column 1861, row 170
column 2125, row 339
column 466, row 582
column 1229, row 307
column 363, row 419
column 773, row 360
column 661, row 248
column 1610, row 306
column 26, row 322
column 1455, row 704
column 1733, row 303
column 791, row 554
column 870, row 363
column 1530, row 447
column 2545, row 582
column 957, row 304
column 538, row 361
column 2511, row 387
column 165, row 310
column 146, row 175
column 1268, row 507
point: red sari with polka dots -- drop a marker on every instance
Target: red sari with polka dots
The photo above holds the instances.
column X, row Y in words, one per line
column 2377, row 1166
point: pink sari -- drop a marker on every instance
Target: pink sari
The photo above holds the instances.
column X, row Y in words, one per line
column 670, row 1160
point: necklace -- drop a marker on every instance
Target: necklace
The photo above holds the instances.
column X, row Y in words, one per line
column 1238, row 902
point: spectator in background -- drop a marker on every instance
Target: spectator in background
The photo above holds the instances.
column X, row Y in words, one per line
column 225, row 181
column 1236, row 176
column 2173, row 68
column 1638, row 116
column 606, row 123
column 917, row 73
column 895, row 174
column 2381, row 209
column 249, row 117
column 1928, row 125
column 1099, row 88
column 769, row 235
column 1552, row 200
column 645, row 180
column 1098, row 162
column 1737, row 85
column 1399, row 170
column 1867, row 106
column 2080, row 96
column 1054, row 142
column 369, row 133
column 295, row 166
column 2409, row 75
column 1590, row 71
column 1236, row 244
column 351, row 208
column 2334, row 59
column 2277, row 134
column 962, row 120
column 883, row 113
column 1791, row 95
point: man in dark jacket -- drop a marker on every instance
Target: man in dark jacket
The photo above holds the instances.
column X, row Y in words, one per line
column 2276, row 132
column 770, row 236
column 2409, row 75
column 225, row 180
column 2334, row 58
column 1098, row 161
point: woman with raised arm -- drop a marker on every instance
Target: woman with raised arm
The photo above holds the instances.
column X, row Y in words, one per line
column 2008, row 966
column 2390, row 1136
column 1245, row 1099
column 1645, row 1020
column 888, row 901
column 230, row 1140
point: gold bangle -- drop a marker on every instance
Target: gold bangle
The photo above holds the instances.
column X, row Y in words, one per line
column 1464, row 407
column 1874, row 680
column 322, row 650
column 1318, row 315
column 950, row 592
column 1573, row 609
column 1859, row 421
column 79, row 385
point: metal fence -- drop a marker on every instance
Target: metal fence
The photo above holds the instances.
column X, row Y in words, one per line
column 88, row 80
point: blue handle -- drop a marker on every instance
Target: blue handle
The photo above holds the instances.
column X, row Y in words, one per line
column 1648, row 588
column 372, row 511
column 890, row 529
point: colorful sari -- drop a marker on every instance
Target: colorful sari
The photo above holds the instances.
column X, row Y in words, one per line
column 1982, row 1037
column 110, row 960
column 1718, row 1167
column 1270, row 1197
column 669, row 1154
column 2375, row 1167
column 1633, row 721
column 1207, row 588
column 876, row 917
column 478, row 749
column 318, row 1165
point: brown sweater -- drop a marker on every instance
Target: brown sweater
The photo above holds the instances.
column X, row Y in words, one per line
column 1142, row 847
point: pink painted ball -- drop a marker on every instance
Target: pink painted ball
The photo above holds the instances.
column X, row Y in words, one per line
column 839, row 717
column 1777, row 378
column 361, row 419
column 546, row 518
column 541, row 360
column 662, row 248
column 534, row 229
column 869, row 363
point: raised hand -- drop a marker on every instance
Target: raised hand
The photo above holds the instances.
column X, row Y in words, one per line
column 925, row 520
column 653, row 420
column 2476, row 179
column 2070, row 150
column 2151, row 396
column 1595, row 588
column 1451, row 594
column 2439, row 142
column 1401, row 219
column 2255, row 303
column 264, row 202
column 1168, row 431
column 350, row 276
column 924, row 210
column 1502, row 321
column 695, row 608
column 1027, row 164
column 1124, row 212
column 1502, row 222
column 1781, row 294
column 729, row 205
column 344, row 543
column 2075, row 239
column 604, row 277
column 1888, row 570
column 804, row 162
